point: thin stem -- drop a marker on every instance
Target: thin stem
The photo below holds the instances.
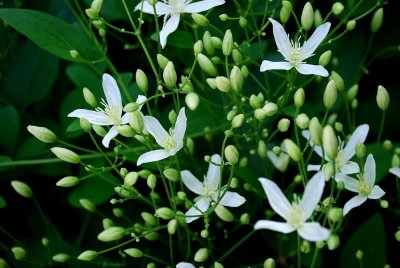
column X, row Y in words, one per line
column 381, row 127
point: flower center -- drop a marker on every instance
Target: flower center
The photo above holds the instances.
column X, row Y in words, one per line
column 169, row 143
column 363, row 188
column 208, row 189
column 294, row 58
column 294, row 218
column 111, row 112
column 178, row 5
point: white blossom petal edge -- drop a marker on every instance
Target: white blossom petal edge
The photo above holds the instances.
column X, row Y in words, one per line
column 395, row 171
column 185, row 265
column 297, row 213
column 170, row 142
column 295, row 54
column 208, row 190
column 171, row 10
column 111, row 114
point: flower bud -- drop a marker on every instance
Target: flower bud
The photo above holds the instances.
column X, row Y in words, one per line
column 359, row 255
column 206, row 65
column 99, row 130
column 284, row 14
column 135, row 120
column 330, row 95
column 222, row 83
column 134, row 252
column 162, row 61
column 216, row 42
column 382, row 98
column 172, row 174
column 74, row 53
column 126, row 131
column 237, row 121
column 245, row 71
column 329, row 142
column 292, row 150
column 243, row 22
column 302, row 121
column 320, row 244
column 231, row 154
column 307, row 16
column 3, row 263
column 198, row 47
column 236, row 79
column 269, row 263
column 68, row 181
column 351, row 24
column 335, row 214
column 262, row 149
column 227, row 43
column 85, row 124
column 208, row 44
column 60, row 257
column 223, row 17
column 119, row 213
column 171, row 226
column 149, row 219
column 192, row 100
column 315, row 131
column 43, row 134
column 338, row 80
column 305, row 247
column 201, row 255
column 87, row 255
column 172, row 117
column 190, row 145
column 337, row 8
column 351, row 94
column 151, row 181
column 169, row 75
column 66, row 155
column 200, row 19
column 397, row 235
column 87, row 204
column 270, row 108
column 283, row 125
column 325, row 58
column 377, row 20
column 165, row 213
column 19, row 253
column 111, row 234
column 107, row 223
column 384, row 203
column 360, row 150
column 141, row 80
column 387, row 145
column 318, row 20
column 299, row 97
column 333, row 241
column 255, row 102
column 22, row 188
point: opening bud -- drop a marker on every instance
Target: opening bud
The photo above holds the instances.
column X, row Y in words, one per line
column 43, row 134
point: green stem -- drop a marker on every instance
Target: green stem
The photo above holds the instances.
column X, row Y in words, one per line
column 236, row 245
column 298, row 251
column 381, row 127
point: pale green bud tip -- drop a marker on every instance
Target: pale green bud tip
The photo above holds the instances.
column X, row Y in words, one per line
column 227, row 43
column 66, row 155
column 165, row 213
column 397, row 235
column 325, row 58
column 192, row 100
column 307, row 17
column 131, row 107
column 151, row 181
column 87, row 204
column 292, row 150
column 236, row 79
column 329, row 142
column 351, row 24
column 74, row 53
column 111, row 234
column 330, row 94
column 359, row 255
column 96, row 5
column 68, row 181
column 382, row 98
column 238, row 121
column 222, row 83
column 315, row 131
column 245, row 218
column 85, row 124
column 172, row 174
column 87, row 255
column 201, row 255
column 218, row 265
column 333, row 241
column 299, row 97
column 134, row 252
column 377, row 20
column 302, row 121
column 171, row 226
column 119, row 213
column 200, row 19
column 384, row 203
column 231, row 154
column 337, row 8
column 360, row 150
column 387, row 145
column 141, row 80
column 283, row 125
column 206, row 65
column 22, row 188
column 223, row 17
column 89, row 97
column 92, row 14
column 287, row 4
column 60, row 257
column 351, row 94
column 198, row 47
column 19, row 253
column 339, row 82
column 335, row 214
column 43, row 134
column 169, row 75
column 162, row 61
column 269, row 263
column 318, row 20
column 270, row 108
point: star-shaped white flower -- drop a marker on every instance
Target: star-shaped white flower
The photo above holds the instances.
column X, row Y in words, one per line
column 171, row 142
column 295, row 54
column 297, row 213
column 208, row 190
column 364, row 186
column 343, row 163
column 111, row 114
column 171, row 10
column 395, row 171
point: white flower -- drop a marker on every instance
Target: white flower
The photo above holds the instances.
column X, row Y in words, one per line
column 185, row 265
column 171, row 10
column 343, row 165
column 364, row 186
column 295, row 54
column 209, row 191
column 111, row 114
column 297, row 213
column 171, row 142
column 395, row 171
column 280, row 162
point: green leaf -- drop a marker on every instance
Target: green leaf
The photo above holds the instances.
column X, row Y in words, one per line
column 9, row 120
column 2, row 202
column 51, row 33
column 31, row 148
column 370, row 237
column 179, row 39
column 84, row 76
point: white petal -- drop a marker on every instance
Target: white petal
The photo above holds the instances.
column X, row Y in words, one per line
column 359, row 135
column 376, row 192
column 313, row 42
column 395, row 171
column 113, row 96
column 152, row 156
column 140, row 100
column 313, row 231
column 352, row 203
column 161, row 8
column 271, row 65
column 185, row 265
column 125, row 119
column 153, row 126
column 214, row 172
column 312, row 195
column 306, row 134
column 170, row 25
column 350, row 183
column 231, row 199
column 281, row 227
column 311, row 69
column 313, row 167
column 276, row 198
column 112, row 133
column 203, row 204
column 94, row 117
column 280, row 162
column 201, row 6
column 191, row 182
column 281, row 39
column 370, row 171
column 180, row 126
column 340, row 177
column 350, row 168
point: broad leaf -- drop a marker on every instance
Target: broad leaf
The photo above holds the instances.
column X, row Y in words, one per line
column 9, row 120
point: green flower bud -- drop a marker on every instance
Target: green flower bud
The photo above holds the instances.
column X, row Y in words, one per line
column 134, row 252
column 60, row 257
column 99, row 130
column 141, row 80
column 192, row 100
column 162, row 61
column 237, row 121
column 227, row 43
column 165, row 213
column 66, row 155
column 284, row 14
column 351, row 94
column 359, row 255
column 212, row 83
column 172, row 117
column 351, row 24
column 169, row 75
column 315, row 131
column 335, row 214
column 151, row 181
column 200, row 19
column 102, row 32
column 85, row 124
column 330, row 95
column 325, row 58
column 262, row 149
column 216, row 42
column 171, row 226
column 74, row 53
column 360, row 150
column 287, row 4
column 333, row 241
column 198, row 47
column 270, row 108
column 269, row 263
column 354, row 104
column 260, row 114
column 243, row 22
column 384, row 203
column 302, row 121
column 299, row 97
column 320, row 244
column 152, row 2
column 22, row 188
column 382, row 98
column 222, row 83
column 223, row 17
column 87, row 255
column 329, row 142
column 305, row 247
column 377, row 20
column 338, row 127
column 231, row 154
column 397, row 235
column 328, row 169
column 89, row 97
column 43, row 134
column 206, row 65
column 68, row 181
column 19, row 253
column 245, row 71
column 190, row 145
column 292, row 150
column 255, row 102
column 337, row 8
column 182, row 195
column 149, row 219
column 283, row 125
column 318, row 20
column 307, row 16
column 136, row 122
column 208, row 44
column 201, row 255
column 245, row 218
column 387, row 145
column 277, row 150
column 119, row 213
column 218, row 265
column 144, row 173
column 236, row 79
column 338, row 80
column 172, row 174
column 96, row 5
column 126, row 131
column 87, row 204
column 3, row 263
column 107, row 223
column 111, row 234
column 45, row 242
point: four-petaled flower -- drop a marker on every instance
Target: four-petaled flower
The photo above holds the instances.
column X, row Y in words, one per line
column 364, row 186
column 295, row 54
column 297, row 213
column 171, row 142
column 171, row 10
column 111, row 114
column 209, row 190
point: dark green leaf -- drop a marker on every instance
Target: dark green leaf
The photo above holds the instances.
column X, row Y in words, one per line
column 9, row 120
column 31, row 148
column 179, row 39
column 2, row 202
column 382, row 158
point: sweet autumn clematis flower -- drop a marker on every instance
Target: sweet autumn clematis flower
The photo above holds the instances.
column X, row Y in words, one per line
column 171, row 10
column 170, row 142
column 111, row 114
column 295, row 54
column 297, row 213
